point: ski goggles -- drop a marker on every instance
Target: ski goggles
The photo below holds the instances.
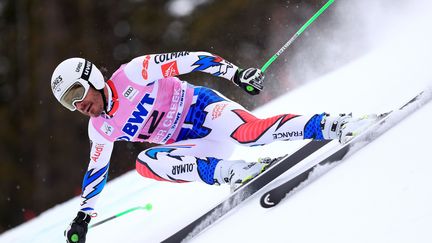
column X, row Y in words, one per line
column 75, row 93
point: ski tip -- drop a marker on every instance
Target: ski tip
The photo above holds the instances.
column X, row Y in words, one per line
column 266, row 201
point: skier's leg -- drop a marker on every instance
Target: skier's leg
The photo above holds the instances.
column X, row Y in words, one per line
column 195, row 160
column 215, row 117
column 254, row 131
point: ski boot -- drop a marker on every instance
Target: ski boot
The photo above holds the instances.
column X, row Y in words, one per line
column 345, row 127
column 237, row 173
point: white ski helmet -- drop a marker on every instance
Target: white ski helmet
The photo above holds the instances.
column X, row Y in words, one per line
column 71, row 81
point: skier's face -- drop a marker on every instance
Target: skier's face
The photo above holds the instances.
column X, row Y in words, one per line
column 92, row 104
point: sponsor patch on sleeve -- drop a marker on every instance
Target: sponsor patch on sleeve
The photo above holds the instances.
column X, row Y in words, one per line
column 170, row 69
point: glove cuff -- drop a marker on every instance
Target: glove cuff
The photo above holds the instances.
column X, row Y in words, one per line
column 236, row 78
column 82, row 217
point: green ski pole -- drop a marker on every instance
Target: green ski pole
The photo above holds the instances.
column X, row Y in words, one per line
column 146, row 207
column 297, row 34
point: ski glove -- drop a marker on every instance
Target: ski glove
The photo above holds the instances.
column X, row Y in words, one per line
column 77, row 230
column 250, row 80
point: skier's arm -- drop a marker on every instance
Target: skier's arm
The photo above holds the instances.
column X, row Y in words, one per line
column 97, row 172
column 93, row 183
column 152, row 67
column 146, row 69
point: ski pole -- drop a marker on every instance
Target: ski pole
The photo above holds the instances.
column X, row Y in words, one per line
column 290, row 41
column 147, row 207
column 297, row 34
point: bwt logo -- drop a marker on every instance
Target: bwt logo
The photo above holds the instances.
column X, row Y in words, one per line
column 138, row 117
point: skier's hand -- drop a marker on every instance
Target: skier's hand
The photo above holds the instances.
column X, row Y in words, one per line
column 250, row 80
column 77, row 230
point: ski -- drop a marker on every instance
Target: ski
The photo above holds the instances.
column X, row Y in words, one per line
column 326, row 161
column 244, row 192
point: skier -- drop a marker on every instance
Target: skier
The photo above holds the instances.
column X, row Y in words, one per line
column 196, row 127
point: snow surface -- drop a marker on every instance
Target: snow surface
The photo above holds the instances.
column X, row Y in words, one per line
column 380, row 194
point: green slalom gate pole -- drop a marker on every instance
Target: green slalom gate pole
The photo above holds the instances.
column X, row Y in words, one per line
column 147, row 207
column 297, row 34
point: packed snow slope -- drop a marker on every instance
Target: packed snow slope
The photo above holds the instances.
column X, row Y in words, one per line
column 380, row 194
